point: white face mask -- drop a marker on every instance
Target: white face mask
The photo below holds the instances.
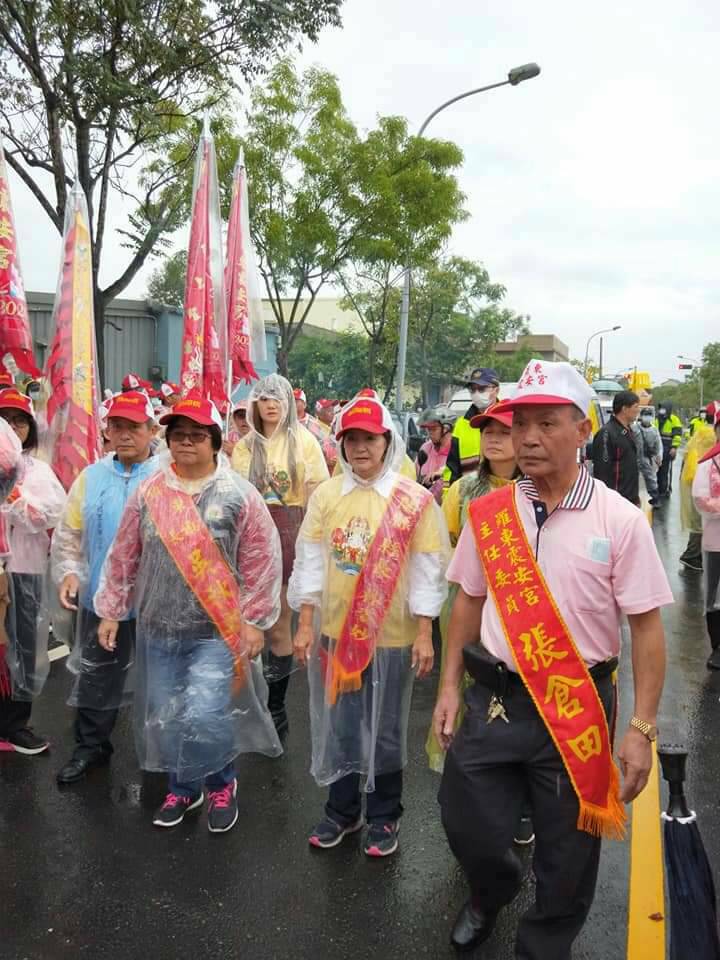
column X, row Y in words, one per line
column 480, row 398
column 646, row 421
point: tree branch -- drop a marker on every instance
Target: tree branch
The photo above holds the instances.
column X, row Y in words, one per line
column 36, row 192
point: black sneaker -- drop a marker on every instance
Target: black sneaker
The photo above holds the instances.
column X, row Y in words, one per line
column 222, row 808
column 328, row 833
column 382, row 839
column 524, row 833
column 692, row 564
column 26, row 742
column 174, row 807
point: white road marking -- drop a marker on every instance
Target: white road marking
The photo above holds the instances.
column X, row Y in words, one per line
column 57, row 653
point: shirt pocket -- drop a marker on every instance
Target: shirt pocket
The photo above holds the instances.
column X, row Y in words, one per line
column 590, row 584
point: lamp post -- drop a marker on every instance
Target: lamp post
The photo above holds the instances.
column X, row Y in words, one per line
column 698, row 364
column 597, row 333
column 525, row 72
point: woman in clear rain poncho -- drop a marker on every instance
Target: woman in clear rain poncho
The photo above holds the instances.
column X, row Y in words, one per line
column 368, row 580
column 198, row 557
column 30, row 512
column 285, row 463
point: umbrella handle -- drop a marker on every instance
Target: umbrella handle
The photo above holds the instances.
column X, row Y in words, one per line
column 673, row 761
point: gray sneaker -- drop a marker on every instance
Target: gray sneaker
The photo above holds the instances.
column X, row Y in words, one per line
column 223, row 808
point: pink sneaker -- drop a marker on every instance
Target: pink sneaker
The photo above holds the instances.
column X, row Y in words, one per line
column 174, row 807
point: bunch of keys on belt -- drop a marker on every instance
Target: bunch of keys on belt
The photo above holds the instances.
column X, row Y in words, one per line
column 496, row 708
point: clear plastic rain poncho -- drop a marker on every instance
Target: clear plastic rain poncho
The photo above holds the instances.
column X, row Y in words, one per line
column 702, row 440
column 706, row 496
column 30, row 513
column 370, row 558
column 195, row 559
column 82, row 538
column 285, row 468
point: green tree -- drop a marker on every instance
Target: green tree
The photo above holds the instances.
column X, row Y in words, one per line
column 509, row 366
column 106, row 93
column 167, row 281
column 592, row 373
column 323, row 197
column 456, row 318
column 335, row 367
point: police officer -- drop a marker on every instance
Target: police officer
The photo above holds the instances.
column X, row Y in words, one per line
column 670, row 427
column 464, row 457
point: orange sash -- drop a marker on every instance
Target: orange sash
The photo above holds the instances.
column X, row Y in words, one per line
column 375, row 588
column 548, row 661
column 200, row 562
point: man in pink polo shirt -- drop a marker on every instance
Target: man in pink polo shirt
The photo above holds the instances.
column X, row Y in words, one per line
column 594, row 553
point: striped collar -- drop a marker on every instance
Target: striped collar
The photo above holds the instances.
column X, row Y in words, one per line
column 578, row 496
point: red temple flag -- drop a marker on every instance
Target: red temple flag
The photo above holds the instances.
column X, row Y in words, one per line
column 204, row 352
column 15, row 336
column 73, row 436
column 246, row 331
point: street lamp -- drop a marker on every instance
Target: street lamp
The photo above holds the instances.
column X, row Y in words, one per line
column 699, row 365
column 597, row 333
column 517, row 75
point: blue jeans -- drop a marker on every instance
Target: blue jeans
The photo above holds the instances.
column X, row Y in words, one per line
column 215, row 781
column 187, row 725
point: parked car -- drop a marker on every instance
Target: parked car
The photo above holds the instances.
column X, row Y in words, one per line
column 407, row 427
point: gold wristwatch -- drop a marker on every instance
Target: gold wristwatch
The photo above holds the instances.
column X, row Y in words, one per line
column 646, row 729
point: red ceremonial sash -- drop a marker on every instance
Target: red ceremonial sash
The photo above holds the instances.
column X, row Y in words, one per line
column 548, row 661
column 375, row 588
column 199, row 561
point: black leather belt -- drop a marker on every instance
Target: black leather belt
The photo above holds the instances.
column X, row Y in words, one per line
column 487, row 670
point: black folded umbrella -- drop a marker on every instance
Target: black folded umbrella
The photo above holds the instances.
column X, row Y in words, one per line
column 691, row 890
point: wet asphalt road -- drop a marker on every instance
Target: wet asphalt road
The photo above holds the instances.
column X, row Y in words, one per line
column 83, row 873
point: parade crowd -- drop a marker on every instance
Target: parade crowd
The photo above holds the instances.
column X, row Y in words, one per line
column 201, row 570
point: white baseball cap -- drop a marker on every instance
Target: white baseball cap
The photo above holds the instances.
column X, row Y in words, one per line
column 552, row 384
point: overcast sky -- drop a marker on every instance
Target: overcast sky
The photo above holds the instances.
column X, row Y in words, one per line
column 593, row 189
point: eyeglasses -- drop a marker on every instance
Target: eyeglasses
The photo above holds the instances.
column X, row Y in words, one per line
column 194, row 436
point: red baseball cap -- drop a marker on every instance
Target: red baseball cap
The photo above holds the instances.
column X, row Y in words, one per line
column 131, row 381
column 195, row 408
column 366, row 414
column 368, row 392
column 169, row 389
column 14, row 400
column 300, row 395
column 132, row 405
column 496, row 411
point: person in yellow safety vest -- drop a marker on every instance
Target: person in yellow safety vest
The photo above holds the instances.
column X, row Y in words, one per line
column 697, row 421
column 670, row 428
column 466, row 445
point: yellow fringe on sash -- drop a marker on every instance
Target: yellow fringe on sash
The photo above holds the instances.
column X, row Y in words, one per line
column 609, row 822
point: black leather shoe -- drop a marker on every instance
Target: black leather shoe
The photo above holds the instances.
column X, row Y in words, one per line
column 472, row 927
column 78, row 766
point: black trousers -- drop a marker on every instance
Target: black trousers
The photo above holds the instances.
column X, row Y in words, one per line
column 490, row 770
column 712, row 590
column 693, row 550
column 100, row 685
column 383, row 805
column 14, row 716
column 664, row 477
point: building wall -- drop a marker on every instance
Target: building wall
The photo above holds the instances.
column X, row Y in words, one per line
column 546, row 346
column 139, row 337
